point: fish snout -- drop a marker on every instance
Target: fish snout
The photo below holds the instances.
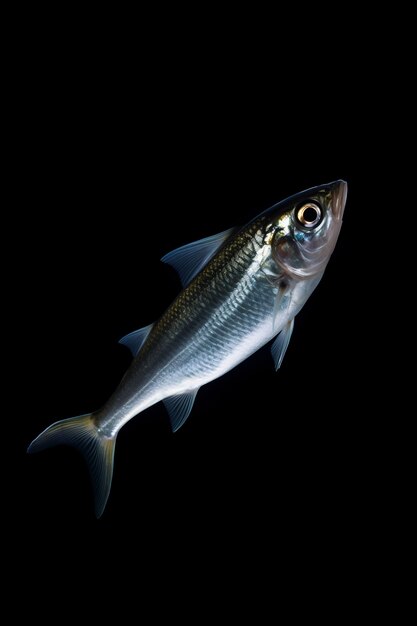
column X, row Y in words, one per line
column 339, row 194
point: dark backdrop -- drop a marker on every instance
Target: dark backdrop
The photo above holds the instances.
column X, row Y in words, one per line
column 277, row 466
column 105, row 215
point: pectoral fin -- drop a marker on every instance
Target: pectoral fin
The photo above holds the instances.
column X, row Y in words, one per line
column 280, row 345
column 190, row 259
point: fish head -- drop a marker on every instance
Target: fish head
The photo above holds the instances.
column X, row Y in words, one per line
column 306, row 227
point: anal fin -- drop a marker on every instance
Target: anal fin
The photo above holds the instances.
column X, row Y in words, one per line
column 179, row 408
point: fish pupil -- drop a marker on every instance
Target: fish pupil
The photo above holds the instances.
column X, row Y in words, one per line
column 310, row 214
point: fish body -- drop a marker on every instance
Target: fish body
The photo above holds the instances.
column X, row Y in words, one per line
column 242, row 288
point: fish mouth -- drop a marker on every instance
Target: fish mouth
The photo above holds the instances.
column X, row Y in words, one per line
column 339, row 194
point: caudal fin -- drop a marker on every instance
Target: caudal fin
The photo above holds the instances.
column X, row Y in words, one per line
column 98, row 450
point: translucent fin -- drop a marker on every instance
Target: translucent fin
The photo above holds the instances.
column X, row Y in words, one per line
column 280, row 345
column 98, row 451
column 134, row 341
column 191, row 258
column 179, row 408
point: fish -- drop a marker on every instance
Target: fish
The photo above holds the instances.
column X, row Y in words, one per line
column 242, row 288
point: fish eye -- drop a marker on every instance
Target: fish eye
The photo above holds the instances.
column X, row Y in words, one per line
column 309, row 214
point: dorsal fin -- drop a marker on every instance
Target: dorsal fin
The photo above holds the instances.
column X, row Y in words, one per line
column 135, row 340
column 190, row 259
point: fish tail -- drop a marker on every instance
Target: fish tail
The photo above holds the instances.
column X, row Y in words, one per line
column 97, row 449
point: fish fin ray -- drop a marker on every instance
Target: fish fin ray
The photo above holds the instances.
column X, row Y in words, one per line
column 135, row 340
column 280, row 345
column 179, row 408
column 97, row 449
column 190, row 259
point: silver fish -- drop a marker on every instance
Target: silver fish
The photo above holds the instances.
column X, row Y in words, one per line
column 242, row 288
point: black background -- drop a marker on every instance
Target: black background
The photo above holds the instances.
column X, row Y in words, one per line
column 115, row 168
column 256, row 439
